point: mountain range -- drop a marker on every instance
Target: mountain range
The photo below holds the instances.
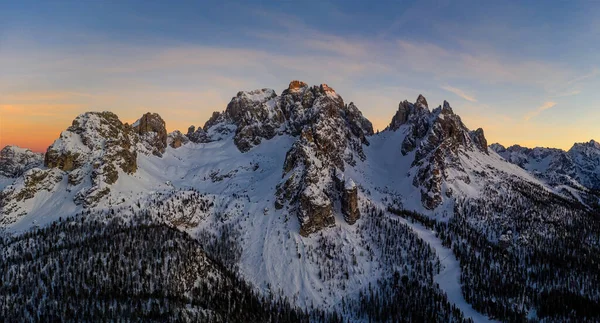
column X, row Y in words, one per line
column 297, row 200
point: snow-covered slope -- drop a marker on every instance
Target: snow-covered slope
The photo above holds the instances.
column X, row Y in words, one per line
column 291, row 191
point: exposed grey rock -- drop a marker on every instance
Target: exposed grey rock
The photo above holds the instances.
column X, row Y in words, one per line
column 197, row 135
column 350, row 202
column 479, row 140
column 152, row 131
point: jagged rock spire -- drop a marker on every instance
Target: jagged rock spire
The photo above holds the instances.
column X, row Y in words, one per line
column 421, row 101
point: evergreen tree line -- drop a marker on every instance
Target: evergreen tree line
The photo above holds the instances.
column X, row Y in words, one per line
column 90, row 270
column 524, row 250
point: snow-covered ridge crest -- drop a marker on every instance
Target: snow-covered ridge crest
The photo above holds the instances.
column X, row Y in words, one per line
column 574, row 173
column 87, row 159
column 438, row 139
column 14, row 161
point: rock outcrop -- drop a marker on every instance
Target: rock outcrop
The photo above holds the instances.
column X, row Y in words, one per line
column 15, row 161
column 479, row 140
column 437, row 139
column 350, row 202
column 152, row 131
column 405, row 109
column 176, row 139
column 255, row 115
column 197, row 135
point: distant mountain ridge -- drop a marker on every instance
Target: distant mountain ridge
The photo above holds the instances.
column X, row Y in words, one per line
column 573, row 172
column 14, row 161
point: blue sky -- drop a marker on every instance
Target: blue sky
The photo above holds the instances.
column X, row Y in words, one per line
column 526, row 71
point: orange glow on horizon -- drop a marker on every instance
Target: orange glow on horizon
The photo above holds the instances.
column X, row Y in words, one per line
column 37, row 126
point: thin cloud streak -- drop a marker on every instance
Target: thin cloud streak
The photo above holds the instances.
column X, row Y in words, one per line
column 459, row 93
column 569, row 93
column 203, row 77
column 542, row 108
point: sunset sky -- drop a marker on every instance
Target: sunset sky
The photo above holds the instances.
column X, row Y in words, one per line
column 526, row 71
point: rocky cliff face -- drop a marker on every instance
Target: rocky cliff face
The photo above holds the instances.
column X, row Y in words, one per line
column 255, row 115
column 350, row 202
column 329, row 133
column 86, row 160
column 152, row 131
column 437, row 138
column 14, row 161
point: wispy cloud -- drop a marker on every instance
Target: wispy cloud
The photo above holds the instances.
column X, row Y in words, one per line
column 481, row 66
column 593, row 73
column 542, row 108
column 201, row 77
column 460, row 93
column 567, row 93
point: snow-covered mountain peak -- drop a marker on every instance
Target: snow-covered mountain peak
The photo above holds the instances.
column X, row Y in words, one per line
column 586, row 147
column 14, row 161
column 572, row 173
column 262, row 114
column 258, row 96
column 88, row 158
column 439, row 139
column 90, row 136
